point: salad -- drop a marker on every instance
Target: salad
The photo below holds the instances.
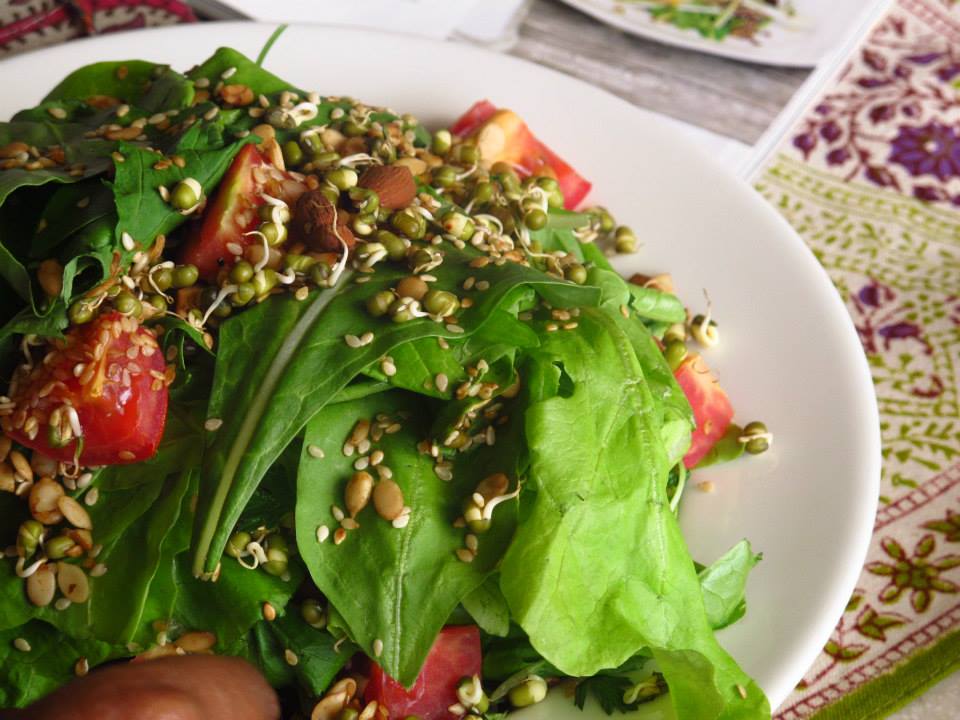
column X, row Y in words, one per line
column 291, row 378
column 717, row 19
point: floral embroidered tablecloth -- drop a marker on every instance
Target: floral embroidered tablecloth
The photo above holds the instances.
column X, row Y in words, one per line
column 870, row 178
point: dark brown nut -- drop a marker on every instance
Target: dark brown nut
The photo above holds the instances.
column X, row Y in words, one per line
column 393, row 184
column 313, row 223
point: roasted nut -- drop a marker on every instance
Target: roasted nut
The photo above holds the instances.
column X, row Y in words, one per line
column 393, row 184
column 236, row 95
column 73, row 582
column 388, row 499
column 313, row 223
column 41, row 586
column 44, row 498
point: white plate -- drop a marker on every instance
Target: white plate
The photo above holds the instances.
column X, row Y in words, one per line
column 818, row 27
column 789, row 354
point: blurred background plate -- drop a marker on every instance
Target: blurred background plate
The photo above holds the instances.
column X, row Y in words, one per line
column 816, row 28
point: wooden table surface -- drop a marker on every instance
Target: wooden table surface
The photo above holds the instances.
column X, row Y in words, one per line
column 732, row 98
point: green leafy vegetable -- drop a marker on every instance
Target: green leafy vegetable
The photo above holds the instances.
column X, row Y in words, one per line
column 724, row 585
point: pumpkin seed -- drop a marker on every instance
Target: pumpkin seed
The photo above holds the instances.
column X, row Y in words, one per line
column 73, row 582
column 388, row 499
column 44, row 498
column 74, row 512
column 41, row 586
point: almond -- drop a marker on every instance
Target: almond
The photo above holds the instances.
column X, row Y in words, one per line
column 393, row 184
column 313, row 223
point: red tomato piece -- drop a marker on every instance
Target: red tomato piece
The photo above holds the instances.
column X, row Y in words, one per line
column 455, row 654
column 108, row 379
column 712, row 410
column 504, row 137
column 477, row 115
column 233, row 211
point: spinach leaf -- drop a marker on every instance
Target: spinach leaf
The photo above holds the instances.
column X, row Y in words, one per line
column 318, row 660
column 27, row 676
column 281, row 362
column 126, row 81
column 584, row 607
column 396, row 586
column 724, row 585
column 488, row 607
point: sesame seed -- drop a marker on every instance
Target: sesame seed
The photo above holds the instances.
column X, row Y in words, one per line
column 442, row 382
column 384, row 472
column 376, row 457
column 235, row 248
column 126, row 454
column 315, row 451
column 393, row 428
column 22, row 645
column 349, row 448
column 464, row 555
column 122, row 110
column 455, row 329
column 388, row 367
column 366, row 338
column 349, row 524
column 269, row 612
column 202, row 83
column 291, row 657
column 483, row 285
column 81, row 668
column 323, row 532
column 84, row 480
column 83, row 202
column 228, row 73
column 98, row 570
column 442, row 342
column 471, row 542
column 213, row 424
column 127, row 241
column 468, row 283
column 741, row 691
column 363, row 447
column 552, row 327
column 361, row 463
column 211, row 113
column 90, row 499
column 302, row 293
column 339, row 536
column 156, row 119
column 706, row 486
column 57, row 112
column 570, row 325
column 378, row 647
column 352, row 341
column 337, row 513
column 444, row 471
column 164, row 193
column 62, row 603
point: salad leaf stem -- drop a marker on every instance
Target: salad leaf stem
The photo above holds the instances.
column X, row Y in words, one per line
column 211, row 521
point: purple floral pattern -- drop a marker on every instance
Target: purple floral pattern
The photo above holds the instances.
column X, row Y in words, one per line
column 893, row 118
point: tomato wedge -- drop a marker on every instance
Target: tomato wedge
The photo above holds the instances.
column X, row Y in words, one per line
column 712, row 410
column 504, row 137
column 233, row 211
column 454, row 655
column 107, row 379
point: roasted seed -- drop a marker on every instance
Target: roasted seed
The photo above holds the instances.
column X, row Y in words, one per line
column 41, row 586
column 73, row 582
column 44, row 500
column 388, row 499
column 358, row 491
column 196, row 642
column 74, row 512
